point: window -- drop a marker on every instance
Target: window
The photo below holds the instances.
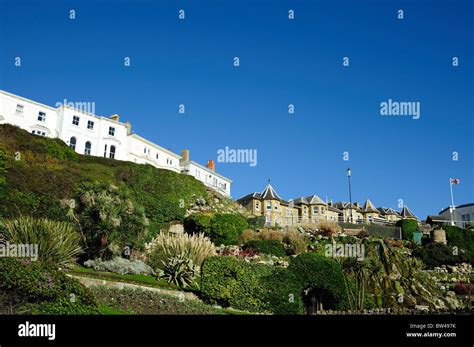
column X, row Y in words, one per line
column 42, row 117
column 38, row 132
column 269, row 206
column 257, row 205
column 90, row 125
column 112, row 152
column 214, row 182
column 87, row 150
column 171, row 162
column 105, row 151
column 144, row 150
column 276, row 207
column 111, row 131
column 315, row 210
column 75, row 120
column 156, row 156
column 19, row 109
column 72, row 143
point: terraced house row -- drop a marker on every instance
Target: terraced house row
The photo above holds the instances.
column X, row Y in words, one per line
column 90, row 134
column 311, row 209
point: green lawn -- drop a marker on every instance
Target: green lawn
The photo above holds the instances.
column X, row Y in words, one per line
column 144, row 280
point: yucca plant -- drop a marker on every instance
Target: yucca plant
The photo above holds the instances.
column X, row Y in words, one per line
column 180, row 270
column 166, row 245
column 58, row 242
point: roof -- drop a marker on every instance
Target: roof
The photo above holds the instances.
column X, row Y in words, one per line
column 386, row 211
column 149, row 143
column 406, row 213
column 457, row 207
column 369, row 207
column 435, row 219
column 183, row 163
column 342, row 205
column 314, row 200
column 334, row 209
column 269, row 193
column 249, row 196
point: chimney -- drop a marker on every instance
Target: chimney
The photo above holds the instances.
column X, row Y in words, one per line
column 128, row 125
column 330, row 203
column 211, row 165
column 185, row 155
column 115, row 117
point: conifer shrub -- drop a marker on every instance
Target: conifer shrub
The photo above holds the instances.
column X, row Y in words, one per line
column 224, row 228
column 271, row 247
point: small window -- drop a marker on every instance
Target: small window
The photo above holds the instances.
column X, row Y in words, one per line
column 276, row 207
column 269, row 206
column 19, row 109
column 87, row 150
column 72, row 143
column 156, row 155
column 90, row 125
column 144, row 150
column 257, row 205
column 42, row 117
column 105, row 151
column 38, row 132
column 75, row 120
column 315, row 210
column 111, row 131
column 112, row 152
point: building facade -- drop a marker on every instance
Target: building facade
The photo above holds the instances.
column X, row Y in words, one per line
column 89, row 134
column 461, row 216
column 312, row 209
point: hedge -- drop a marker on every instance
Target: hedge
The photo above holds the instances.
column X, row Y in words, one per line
column 408, row 226
column 229, row 282
column 220, row 228
column 463, row 239
column 272, row 247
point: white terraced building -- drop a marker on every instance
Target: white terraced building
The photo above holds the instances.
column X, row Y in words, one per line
column 90, row 134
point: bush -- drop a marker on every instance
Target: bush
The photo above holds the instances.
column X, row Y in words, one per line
column 296, row 242
column 220, row 228
column 166, row 245
column 121, row 266
column 179, row 270
column 327, row 228
column 463, row 239
column 109, row 220
column 41, row 284
column 227, row 281
column 58, row 242
column 282, row 292
column 437, row 254
column 409, row 226
column 314, row 271
column 272, row 247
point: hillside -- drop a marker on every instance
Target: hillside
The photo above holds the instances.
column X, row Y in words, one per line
column 36, row 173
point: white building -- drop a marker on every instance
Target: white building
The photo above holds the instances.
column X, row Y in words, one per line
column 462, row 216
column 90, row 134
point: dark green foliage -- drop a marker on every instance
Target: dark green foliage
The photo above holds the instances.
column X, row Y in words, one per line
column 3, row 164
column 282, row 292
column 437, row 254
column 313, row 270
column 272, row 247
column 220, row 228
column 227, row 281
column 463, row 239
column 43, row 285
column 408, row 228
column 48, row 171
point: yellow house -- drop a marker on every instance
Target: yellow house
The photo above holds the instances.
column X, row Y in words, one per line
column 370, row 213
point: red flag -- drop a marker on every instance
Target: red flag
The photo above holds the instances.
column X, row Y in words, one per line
column 454, row 180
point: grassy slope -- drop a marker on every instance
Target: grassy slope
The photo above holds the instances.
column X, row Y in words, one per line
column 48, row 170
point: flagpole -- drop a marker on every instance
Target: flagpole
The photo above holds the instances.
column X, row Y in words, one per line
column 452, row 201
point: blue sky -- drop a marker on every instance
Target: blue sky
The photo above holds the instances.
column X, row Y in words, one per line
column 283, row 62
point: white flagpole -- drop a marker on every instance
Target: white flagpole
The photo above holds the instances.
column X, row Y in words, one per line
column 452, row 202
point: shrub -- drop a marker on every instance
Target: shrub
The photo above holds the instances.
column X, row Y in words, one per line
column 408, row 226
column 248, row 235
column 62, row 306
column 437, row 254
column 220, row 228
column 314, row 271
column 463, row 239
column 58, row 242
column 40, row 283
column 166, row 245
column 463, row 288
column 179, row 270
column 282, row 292
column 227, row 281
column 327, row 228
column 121, row 266
column 3, row 164
column 272, row 247
column 109, row 220
column 296, row 242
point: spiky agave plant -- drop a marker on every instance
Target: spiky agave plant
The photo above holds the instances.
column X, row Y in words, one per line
column 180, row 270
